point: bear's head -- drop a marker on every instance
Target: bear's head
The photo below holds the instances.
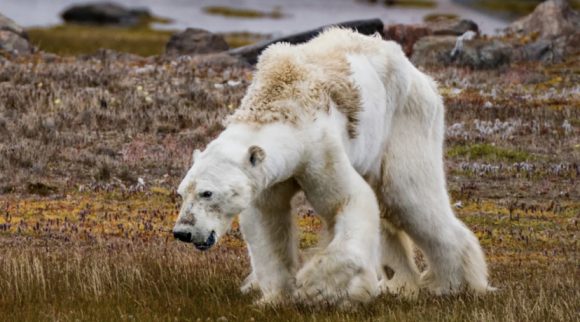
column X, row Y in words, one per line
column 220, row 184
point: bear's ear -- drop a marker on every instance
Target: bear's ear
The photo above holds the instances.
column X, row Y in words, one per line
column 256, row 155
column 196, row 154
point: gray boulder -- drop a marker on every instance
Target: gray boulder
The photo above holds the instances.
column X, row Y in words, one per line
column 408, row 35
column 105, row 13
column 195, row 41
column 551, row 50
column 555, row 28
column 478, row 53
column 13, row 38
column 8, row 24
column 552, row 18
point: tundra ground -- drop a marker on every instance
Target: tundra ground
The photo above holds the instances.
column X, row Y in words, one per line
column 92, row 148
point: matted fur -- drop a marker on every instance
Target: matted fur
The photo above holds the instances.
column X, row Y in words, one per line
column 294, row 82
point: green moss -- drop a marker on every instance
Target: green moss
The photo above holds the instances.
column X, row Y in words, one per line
column 439, row 16
column 487, row 152
column 70, row 39
column 239, row 39
column 242, row 13
column 77, row 39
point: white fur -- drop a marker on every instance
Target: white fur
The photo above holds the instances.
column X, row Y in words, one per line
column 399, row 151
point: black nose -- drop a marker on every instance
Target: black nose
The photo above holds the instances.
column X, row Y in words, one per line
column 182, row 235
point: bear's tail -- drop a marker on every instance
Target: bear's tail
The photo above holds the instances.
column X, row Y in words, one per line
column 474, row 266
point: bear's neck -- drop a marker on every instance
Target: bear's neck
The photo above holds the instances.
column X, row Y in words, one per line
column 281, row 144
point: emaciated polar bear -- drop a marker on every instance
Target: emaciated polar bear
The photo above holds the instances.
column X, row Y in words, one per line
column 350, row 121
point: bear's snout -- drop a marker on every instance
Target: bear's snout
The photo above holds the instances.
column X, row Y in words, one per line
column 208, row 242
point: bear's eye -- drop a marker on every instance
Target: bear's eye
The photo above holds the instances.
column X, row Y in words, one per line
column 206, row 194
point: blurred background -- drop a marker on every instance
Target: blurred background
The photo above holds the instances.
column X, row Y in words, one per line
column 241, row 21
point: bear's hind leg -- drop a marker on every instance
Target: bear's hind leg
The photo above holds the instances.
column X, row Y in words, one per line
column 416, row 189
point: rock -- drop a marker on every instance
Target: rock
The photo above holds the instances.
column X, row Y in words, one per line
column 105, row 13
column 478, row 53
column 194, row 41
column 551, row 18
column 433, row 50
column 406, row 35
column 250, row 53
column 8, row 24
column 555, row 29
column 14, row 44
column 551, row 50
column 452, row 27
column 13, row 38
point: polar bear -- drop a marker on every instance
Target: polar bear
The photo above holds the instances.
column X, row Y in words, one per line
column 347, row 119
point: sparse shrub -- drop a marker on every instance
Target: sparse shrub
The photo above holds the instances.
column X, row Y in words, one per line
column 39, row 188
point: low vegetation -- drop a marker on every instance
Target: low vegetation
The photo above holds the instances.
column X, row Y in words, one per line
column 71, row 39
column 487, row 152
column 435, row 17
column 92, row 148
column 231, row 12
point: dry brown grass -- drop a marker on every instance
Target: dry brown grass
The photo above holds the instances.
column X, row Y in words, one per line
column 103, row 264
column 109, row 115
column 80, row 239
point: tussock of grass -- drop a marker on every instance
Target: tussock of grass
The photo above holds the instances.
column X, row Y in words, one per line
column 239, row 39
column 72, row 39
column 225, row 11
column 439, row 16
column 488, row 152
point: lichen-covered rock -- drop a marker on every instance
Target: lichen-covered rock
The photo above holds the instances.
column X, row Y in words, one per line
column 13, row 38
column 408, row 35
column 8, row 24
column 479, row 53
column 551, row 50
column 553, row 27
column 195, row 41
column 105, row 13
column 552, row 18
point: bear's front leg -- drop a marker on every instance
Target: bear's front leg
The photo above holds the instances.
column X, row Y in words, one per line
column 269, row 231
column 347, row 270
